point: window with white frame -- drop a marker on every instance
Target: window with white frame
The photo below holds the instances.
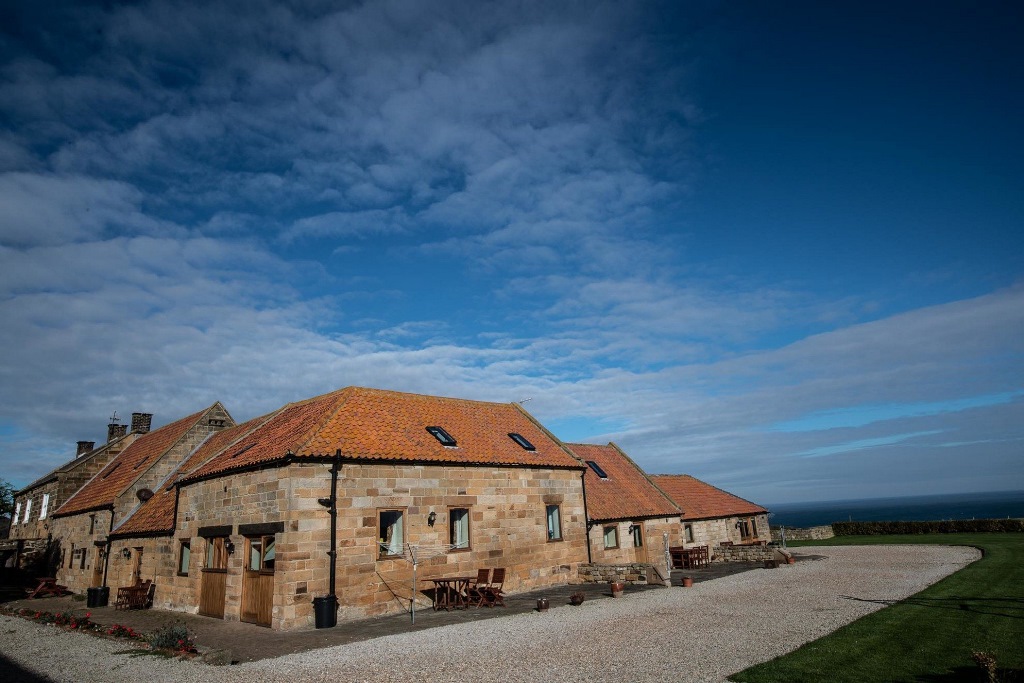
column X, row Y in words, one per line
column 554, row 515
column 458, row 526
column 184, row 557
column 391, row 532
column 17, row 512
column 688, row 533
column 45, row 506
column 28, row 510
column 611, row 537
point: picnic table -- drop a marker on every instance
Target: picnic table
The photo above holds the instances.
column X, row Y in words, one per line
column 688, row 558
column 47, row 587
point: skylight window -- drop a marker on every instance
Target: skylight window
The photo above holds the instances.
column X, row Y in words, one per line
column 597, row 469
column 444, row 437
column 521, row 440
column 243, row 450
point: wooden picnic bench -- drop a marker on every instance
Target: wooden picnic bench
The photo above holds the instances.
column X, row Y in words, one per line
column 48, row 587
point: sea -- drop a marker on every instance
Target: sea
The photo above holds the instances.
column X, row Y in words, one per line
column 993, row 505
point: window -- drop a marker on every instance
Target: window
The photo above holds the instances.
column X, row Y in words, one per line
column 28, row 510
column 391, row 533
column 688, row 533
column 81, row 558
column 44, row 506
column 638, row 535
column 111, row 470
column 597, row 469
column 522, row 441
column 217, row 553
column 71, row 557
column 747, row 527
column 17, row 513
column 554, row 514
column 262, row 553
column 444, row 437
column 458, row 528
column 92, row 524
column 184, row 556
column 611, row 537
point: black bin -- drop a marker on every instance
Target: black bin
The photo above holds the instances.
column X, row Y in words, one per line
column 97, row 597
column 325, row 611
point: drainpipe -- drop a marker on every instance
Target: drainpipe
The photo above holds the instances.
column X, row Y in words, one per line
column 326, row 608
column 586, row 514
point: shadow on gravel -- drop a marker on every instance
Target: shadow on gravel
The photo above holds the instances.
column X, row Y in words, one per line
column 9, row 671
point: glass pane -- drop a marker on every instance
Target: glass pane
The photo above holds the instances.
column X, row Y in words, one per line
column 459, row 528
column 210, row 554
column 186, row 554
column 638, row 537
column 255, row 559
column 554, row 523
column 270, row 553
column 391, row 534
column 611, row 537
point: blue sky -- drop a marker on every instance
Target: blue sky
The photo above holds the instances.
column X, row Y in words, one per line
column 775, row 246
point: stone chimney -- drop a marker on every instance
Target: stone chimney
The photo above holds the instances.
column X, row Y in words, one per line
column 116, row 431
column 85, row 447
column 141, row 422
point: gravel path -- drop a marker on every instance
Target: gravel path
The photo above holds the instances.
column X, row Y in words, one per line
column 704, row 633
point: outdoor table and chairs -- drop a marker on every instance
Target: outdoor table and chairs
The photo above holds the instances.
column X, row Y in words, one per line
column 46, row 588
column 689, row 558
column 450, row 592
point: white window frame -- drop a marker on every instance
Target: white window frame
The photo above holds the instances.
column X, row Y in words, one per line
column 554, row 522
column 45, row 506
column 458, row 528
column 17, row 512
column 611, row 536
column 28, row 510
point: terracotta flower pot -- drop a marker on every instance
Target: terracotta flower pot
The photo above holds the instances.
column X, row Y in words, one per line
column 687, row 581
column 617, row 588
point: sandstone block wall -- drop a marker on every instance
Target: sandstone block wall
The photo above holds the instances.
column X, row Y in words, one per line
column 814, row 533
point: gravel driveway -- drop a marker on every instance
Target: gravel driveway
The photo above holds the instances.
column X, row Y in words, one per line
column 704, row 633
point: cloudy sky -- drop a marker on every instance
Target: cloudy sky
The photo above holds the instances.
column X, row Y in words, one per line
column 777, row 246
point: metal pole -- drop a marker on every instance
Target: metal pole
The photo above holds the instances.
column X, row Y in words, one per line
column 412, row 599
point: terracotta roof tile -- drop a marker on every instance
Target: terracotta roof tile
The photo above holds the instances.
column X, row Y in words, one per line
column 700, row 500
column 373, row 424
column 626, row 493
column 127, row 466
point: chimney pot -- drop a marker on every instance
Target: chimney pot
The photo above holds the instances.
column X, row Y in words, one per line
column 141, row 422
column 116, row 431
column 84, row 447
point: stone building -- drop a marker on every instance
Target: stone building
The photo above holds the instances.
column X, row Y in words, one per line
column 447, row 485
column 31, row 540
column 84, row 522
column 711, row 515
column 628, row 517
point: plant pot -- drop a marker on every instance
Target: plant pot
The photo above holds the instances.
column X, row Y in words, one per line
column 687, row 581
column 543, row 604
column 577, row 598
column 790, row 560
column 617, row 588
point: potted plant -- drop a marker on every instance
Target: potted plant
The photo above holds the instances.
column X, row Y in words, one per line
column 687, row 581
column 577, row 598
column 543, row 604
column 617, row 588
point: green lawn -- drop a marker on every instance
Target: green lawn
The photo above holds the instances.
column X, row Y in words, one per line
column 930, row 636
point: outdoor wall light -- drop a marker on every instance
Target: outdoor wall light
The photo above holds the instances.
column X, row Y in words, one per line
column 229, row 546
column 126, row 554
column 431, row 518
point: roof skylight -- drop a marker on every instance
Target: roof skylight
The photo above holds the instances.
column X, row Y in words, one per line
column 522, row 441
column 444, row 437
column 597, row 469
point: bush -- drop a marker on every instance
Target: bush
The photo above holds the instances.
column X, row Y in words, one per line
column 174, row 637
column 953, row 526
column 121, row 631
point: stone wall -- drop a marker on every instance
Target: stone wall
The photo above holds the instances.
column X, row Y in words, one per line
column 653, row 535
column 711, row 532
column 80, row 556
column 632, row 573
column 742, row 553
column 814, row 533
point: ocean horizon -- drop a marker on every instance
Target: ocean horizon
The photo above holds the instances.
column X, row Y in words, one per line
column 989, row 505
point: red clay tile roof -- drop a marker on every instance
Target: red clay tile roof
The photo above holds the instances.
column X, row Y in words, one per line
column 156, row 515
column 373, row 424
column 700, row 500
column 127, row 466
column 627, row 493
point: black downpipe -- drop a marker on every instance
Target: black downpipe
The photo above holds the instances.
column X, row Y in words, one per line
column 586, row 514
column 325, row 609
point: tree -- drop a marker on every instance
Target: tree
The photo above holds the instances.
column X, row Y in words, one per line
column 7, row 491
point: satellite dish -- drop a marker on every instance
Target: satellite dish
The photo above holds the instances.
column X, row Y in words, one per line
column 144, row 494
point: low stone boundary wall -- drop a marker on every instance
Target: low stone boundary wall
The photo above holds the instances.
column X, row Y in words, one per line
column 742, row 553
column 633, row 573
column 814, row 533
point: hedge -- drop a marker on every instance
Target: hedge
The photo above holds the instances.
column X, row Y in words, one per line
column 952, row 526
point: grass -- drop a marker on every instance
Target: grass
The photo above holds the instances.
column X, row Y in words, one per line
column 930, row 636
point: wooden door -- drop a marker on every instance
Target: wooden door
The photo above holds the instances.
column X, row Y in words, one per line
column 639, row 542
column 258, row 581
column 97, row 566
column 214, row 578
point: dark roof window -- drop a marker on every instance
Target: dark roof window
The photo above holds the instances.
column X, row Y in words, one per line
column 243, row 450
column 444, row 437
column 522, row 441
column 597, row 469
column 111, row 470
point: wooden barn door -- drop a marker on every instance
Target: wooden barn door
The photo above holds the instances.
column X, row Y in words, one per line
column 258, row 580
column 214, row 580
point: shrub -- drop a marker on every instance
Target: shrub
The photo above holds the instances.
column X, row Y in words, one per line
column 953, row 526
column 121, row 631
column 174, row 637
